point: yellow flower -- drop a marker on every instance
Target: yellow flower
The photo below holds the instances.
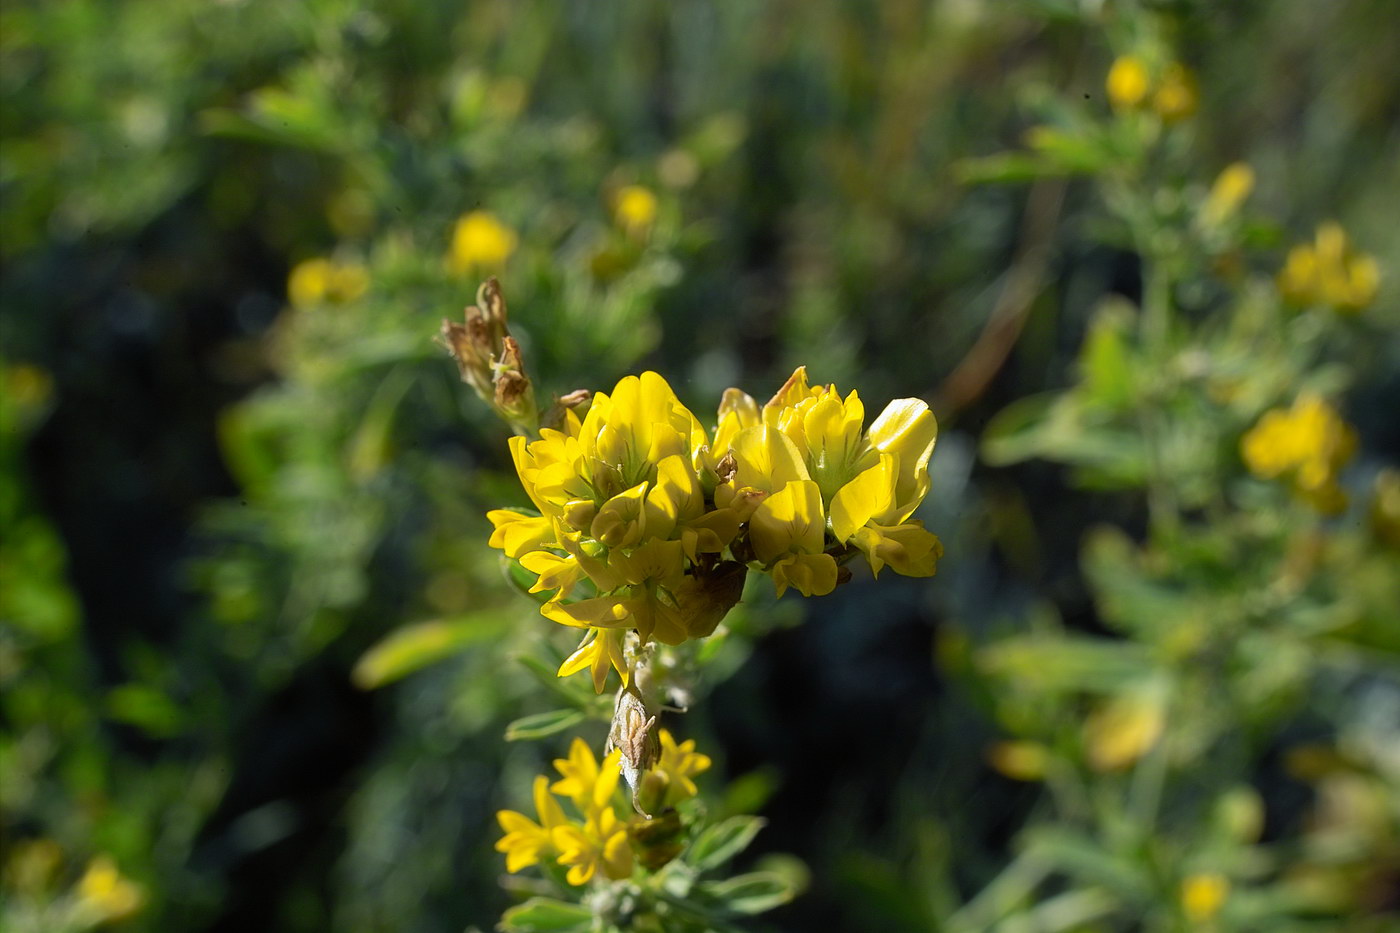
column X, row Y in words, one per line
column 480, row 240
column 600, row 844
column 1019, row 760
column 1123, row 730
column 315, row 281
column 601, row 841
column 1131, row 84
column 786, row 531
column 646, row 522
column 1176, row 95
column 1307, row 446
column 1202, row 896
column 635, row 209
column 1228, row 192
column 525, row 841
column 105, row 895
column 600, row 649
column 1127, row 83
column 1329, row 272
column 679, row 764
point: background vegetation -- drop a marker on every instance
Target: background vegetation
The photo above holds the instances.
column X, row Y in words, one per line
column 257, row 662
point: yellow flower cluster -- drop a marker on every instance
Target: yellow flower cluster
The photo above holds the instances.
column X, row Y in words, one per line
column 648, row 522
column 1329, row 272
column 480, row 241
column 597, row 842
column 1307, row 445
column 321, row 281
column 1170, row 93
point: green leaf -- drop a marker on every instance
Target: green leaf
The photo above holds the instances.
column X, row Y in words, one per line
column 544, row 915
column 146, row 708
column 1081, row 857
column 542, row 724
column 1060, row 662
column 753, row 893
column 1017, row 432
column 723, row 841
column 416, row 646
column 1004, row 168
column 1106, row 361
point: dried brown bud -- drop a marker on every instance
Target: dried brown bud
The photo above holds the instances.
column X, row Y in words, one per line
column 631, row 734
column 492, row 302
column 576, row 401
column 727, row 467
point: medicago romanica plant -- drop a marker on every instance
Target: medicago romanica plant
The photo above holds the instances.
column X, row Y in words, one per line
column 644, row 529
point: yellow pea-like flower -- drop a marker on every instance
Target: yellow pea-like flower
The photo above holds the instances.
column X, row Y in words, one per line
column 787, row 533
column 526, row 841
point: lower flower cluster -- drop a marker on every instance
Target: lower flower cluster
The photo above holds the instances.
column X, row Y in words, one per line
column 647, row 522
column 597, row 841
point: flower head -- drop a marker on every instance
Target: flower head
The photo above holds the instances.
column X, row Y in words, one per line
column 525, row 841
column 635, row 208
column 1329, row 272
column 105, row 895
column 646, row 522
column 319, row 281
column 1305, row 446
column 480, row 240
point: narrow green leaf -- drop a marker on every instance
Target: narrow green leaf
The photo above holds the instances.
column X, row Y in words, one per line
column 542, row 724
column 753, row 893
column 414, row 647
column 543, row 915
column 723, row 841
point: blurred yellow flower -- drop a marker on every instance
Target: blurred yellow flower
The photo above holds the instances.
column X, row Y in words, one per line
column 1122, row 730
column 1228, row 193
column 525, row 841
column 635, row 208
column 1171, row 92
column 104, row 894
column 1176, row 96
column 1329, row 272
column 479, row 241
column 1307, row 446
column 317, row 281
column 1019, row 760
column 1202, row 896
column 1127, row 83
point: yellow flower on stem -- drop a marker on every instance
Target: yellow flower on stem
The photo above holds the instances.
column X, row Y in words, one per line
column 1127, row 82
column 587, row 783
column 680, row 763
column 1306, row 446
column 1329, row 272
column 105, row 895
column 1202, row 896
column 600, row 649
column 600, row 844
column 480, row 240
column 526, row 841
column 635, row 208
column 315, row 281
column 787, row 533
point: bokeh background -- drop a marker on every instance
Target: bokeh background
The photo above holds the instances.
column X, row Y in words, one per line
column 256, row 656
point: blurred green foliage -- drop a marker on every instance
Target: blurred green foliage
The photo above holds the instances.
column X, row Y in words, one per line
column 1148, row 690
